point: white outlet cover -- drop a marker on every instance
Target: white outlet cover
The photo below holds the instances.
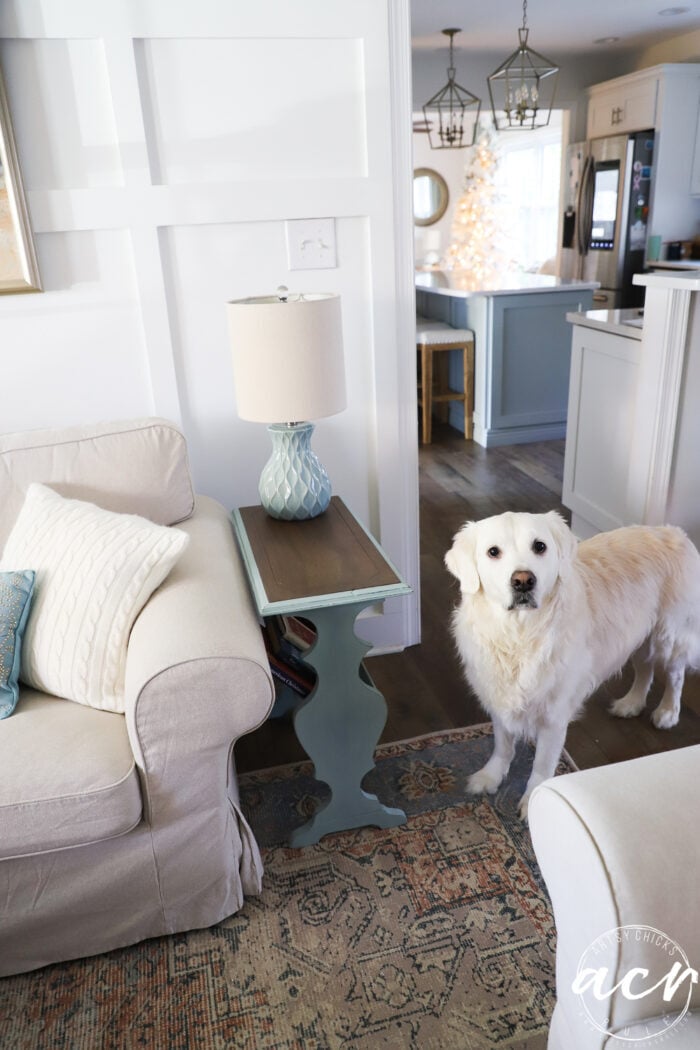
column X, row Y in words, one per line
column 311, row 244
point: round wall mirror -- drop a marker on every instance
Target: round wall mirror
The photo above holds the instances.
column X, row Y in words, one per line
column 430, row 196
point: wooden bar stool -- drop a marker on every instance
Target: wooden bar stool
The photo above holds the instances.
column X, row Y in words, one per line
column 431, row 337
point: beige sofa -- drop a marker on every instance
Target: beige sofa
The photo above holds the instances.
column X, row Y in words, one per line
column 619, row 849
column 115, row 828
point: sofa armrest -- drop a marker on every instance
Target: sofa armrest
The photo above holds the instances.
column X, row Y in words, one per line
column 203, row 612
column 618, row 846
column 197, row 678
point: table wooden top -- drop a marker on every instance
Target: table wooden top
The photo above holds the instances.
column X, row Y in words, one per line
column 328, row 560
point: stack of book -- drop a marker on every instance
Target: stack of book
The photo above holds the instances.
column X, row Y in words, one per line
column 287, row 640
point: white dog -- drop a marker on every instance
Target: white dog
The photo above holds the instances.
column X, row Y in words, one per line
column 544, row 620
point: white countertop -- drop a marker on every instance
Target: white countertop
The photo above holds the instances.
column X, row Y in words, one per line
column 454, row 283
column 683, row 280
column 622, row 322
column 667, row 264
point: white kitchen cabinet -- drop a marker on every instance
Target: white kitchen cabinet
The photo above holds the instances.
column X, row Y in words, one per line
column 665, row 98
column 625, row 104
column 634, row 428
column 602, row 389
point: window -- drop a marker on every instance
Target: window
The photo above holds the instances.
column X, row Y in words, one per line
column 528, row 179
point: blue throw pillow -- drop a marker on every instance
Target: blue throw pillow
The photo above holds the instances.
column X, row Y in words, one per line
column 15, row 598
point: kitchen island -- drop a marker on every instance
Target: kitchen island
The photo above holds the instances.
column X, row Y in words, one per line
column 522, row 348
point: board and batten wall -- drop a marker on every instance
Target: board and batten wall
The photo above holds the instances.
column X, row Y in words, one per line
column 163, row 146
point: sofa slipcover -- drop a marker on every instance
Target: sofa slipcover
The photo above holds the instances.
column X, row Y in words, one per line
column 114, row 828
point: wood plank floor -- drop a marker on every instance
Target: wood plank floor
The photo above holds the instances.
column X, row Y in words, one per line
column 423, row 686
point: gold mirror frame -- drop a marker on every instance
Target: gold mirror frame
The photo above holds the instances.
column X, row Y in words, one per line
column 19, row 270
column 442, row 195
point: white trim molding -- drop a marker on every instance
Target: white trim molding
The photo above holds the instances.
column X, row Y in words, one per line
column 666, row 313
column 402, row 137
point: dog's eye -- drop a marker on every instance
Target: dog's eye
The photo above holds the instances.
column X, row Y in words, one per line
column 539, row 547
column 494, row 552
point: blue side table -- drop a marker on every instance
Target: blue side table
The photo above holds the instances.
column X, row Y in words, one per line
column 327, row 569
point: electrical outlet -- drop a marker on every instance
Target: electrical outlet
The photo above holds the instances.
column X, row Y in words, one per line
column 311, row 244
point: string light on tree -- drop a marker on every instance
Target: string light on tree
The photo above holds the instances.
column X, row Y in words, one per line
column 478, row 253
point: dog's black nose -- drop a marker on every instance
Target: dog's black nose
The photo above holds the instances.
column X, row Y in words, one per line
column 523, row 581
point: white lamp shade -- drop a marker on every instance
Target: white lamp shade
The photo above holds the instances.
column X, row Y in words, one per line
column 287, row 357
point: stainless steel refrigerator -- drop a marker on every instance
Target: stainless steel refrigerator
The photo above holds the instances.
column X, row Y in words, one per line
column 606, row 215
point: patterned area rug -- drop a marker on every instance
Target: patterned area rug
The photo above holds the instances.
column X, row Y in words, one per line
column 433, row 935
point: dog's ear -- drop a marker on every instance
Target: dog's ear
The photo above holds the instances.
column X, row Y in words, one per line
column 563, row 536
column 461, row 559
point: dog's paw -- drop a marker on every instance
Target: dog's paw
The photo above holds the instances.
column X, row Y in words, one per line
column 664, row 718
column 626, row 707
column 483, row 782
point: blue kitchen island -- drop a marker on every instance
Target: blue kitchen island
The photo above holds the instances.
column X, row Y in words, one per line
column 522, row 348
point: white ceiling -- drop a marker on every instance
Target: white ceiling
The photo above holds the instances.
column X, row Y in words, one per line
column 557, row 27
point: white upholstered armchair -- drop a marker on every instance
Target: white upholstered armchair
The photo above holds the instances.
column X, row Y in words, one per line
column 619, row 849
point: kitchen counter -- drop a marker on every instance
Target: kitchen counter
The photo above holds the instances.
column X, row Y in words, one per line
column 679, row 264
column 522, row 348
column 681, row 280
column 621, row 322
column 452, row 282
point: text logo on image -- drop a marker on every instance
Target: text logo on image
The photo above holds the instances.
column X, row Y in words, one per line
column 667, row 973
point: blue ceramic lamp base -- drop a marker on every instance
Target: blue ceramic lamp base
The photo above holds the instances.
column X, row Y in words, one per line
column 294, row 484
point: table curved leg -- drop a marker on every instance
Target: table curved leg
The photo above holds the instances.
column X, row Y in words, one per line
column 339, row 727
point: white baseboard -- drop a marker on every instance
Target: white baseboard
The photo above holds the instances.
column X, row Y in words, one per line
column 519, row 435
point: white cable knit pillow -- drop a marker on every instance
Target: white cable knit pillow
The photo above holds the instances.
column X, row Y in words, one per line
column 95, row 570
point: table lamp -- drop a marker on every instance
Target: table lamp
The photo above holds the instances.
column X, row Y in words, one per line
column 288, row 369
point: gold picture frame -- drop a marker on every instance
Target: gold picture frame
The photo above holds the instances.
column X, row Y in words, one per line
column 430, row 196
column 19, row 271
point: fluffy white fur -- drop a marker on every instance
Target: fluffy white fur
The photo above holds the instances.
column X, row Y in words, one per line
column 534, row 654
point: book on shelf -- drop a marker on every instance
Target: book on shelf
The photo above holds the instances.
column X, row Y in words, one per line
column 286, row 659
column 299, row 633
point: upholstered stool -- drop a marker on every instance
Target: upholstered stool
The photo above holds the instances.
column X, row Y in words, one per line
column 432, row 336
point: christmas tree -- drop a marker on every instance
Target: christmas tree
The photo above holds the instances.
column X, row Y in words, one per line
column 478, row 253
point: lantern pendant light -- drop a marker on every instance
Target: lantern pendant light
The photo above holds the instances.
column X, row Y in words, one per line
column 449, row 106
column 522, row 89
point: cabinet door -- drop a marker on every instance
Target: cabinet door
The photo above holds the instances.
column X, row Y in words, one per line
column 604, row 368
column 529, row 378
column 627, row 107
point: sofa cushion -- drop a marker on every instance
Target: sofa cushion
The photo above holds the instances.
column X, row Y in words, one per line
column 68, row 777
column 15, row 598
column 95, row 570
column 137, row 467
